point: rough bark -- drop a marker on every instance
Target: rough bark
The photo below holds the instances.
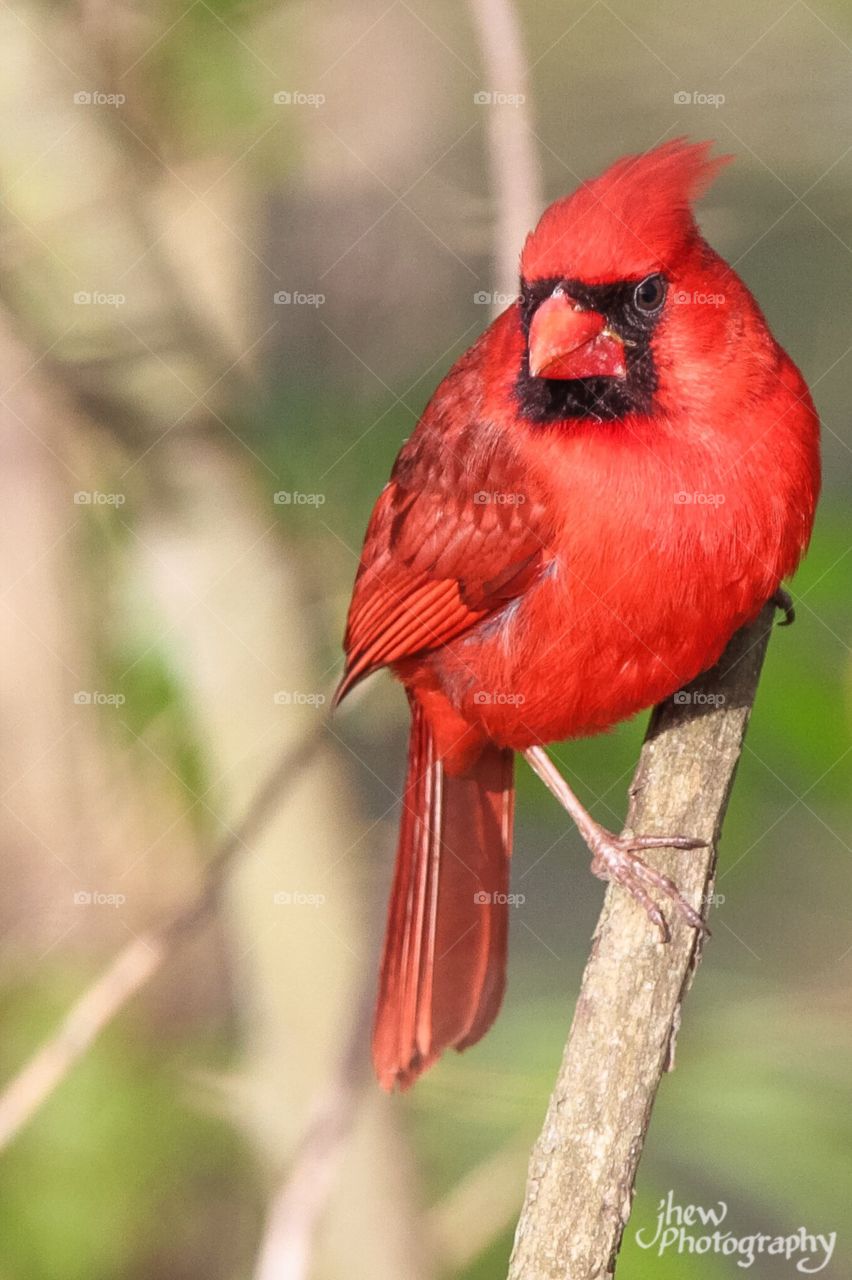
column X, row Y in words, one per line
column 581, row 1174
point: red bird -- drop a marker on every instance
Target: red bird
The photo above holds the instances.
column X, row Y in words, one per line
column 615, row 477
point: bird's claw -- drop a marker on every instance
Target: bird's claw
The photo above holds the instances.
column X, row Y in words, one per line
column 616, row 858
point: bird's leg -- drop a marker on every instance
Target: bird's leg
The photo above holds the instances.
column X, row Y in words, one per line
column 784, row 601
column 616, row 858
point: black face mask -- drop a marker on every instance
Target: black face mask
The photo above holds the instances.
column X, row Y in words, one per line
column 632, row 309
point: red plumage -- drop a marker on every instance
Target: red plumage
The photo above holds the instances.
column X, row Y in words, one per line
column 636, row 216
column 444, row 968
column 532, row 574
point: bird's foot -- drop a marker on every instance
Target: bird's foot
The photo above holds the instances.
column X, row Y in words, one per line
column 784, row 601
column 616, row 858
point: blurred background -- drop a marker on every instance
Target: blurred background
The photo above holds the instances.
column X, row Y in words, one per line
column 240, row 243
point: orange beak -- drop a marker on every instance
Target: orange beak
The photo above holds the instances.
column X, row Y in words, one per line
column 566, row 342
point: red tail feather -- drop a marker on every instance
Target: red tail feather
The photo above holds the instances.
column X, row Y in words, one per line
column 444, row 962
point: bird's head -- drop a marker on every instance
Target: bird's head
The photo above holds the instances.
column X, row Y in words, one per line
column 604, row 281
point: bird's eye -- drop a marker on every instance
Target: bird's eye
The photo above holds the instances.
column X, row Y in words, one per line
column 650, row 294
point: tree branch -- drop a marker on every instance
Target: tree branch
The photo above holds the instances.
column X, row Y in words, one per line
column 287, row 1247
column 514, row 171
column 137, row 963
column 583, row 1166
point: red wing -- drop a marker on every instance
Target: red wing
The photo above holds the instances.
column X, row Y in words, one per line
column 453, row 538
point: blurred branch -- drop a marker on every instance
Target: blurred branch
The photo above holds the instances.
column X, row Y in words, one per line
column 286, row 1250
column 137, row 963
column 480, row 1207
column 514, row 171
column 582, row 1169
column 141, row 171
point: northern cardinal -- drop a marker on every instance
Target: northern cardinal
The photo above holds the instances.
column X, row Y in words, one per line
column 616, row 476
